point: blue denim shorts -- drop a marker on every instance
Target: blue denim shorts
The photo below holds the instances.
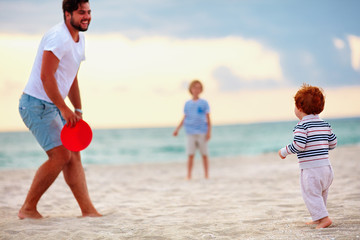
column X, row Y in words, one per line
column 43, row 119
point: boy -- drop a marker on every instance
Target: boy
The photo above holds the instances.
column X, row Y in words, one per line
column 197, row 125
column 313, row 138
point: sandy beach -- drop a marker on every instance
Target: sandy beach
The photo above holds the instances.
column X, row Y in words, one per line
column 245, row 198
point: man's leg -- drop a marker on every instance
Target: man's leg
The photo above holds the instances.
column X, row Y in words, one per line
column 75, row 177
column 44, row 177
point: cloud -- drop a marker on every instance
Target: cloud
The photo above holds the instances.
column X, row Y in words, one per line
column 17, row 56
column 229, row 82
column 354, row 42
column 154, row 62
column 165, row 62
column 30, row 16
column 338, row 43
column 226, row 79
column 143, row 82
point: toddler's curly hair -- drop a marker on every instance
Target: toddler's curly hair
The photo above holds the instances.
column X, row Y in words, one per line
column 310, row 99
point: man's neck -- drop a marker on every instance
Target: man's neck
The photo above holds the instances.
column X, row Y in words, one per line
column 73, row 32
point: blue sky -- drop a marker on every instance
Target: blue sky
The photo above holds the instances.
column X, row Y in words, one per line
column 301, row 31
column 256, row 52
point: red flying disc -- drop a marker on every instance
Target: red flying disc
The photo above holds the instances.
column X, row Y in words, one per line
column 76, row 138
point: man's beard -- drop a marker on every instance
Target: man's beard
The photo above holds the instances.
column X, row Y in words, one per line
column 78, row 27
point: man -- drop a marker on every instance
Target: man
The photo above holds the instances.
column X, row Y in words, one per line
column 44, row 112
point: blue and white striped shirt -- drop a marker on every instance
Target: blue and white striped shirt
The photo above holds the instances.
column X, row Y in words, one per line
column 313, row 138
column 195, row 116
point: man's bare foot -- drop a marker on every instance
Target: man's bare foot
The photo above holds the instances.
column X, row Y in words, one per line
column 94, row 214
column 324, row 223
column 312, row 222
column 29, row 214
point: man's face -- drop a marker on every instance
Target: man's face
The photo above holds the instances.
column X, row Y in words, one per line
column 80, row 18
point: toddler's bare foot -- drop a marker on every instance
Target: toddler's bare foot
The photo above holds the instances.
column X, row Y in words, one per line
column 29, row 214
column 324, row 223
column 312, row 222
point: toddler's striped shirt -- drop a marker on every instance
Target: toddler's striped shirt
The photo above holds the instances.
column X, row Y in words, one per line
column 313, row 138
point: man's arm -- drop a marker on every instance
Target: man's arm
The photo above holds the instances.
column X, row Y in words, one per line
column 49, row 66
column 74, row 96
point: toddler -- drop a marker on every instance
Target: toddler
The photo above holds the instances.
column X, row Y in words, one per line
column 313, row 138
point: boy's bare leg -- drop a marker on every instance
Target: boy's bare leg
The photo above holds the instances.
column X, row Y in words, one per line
column 44, row 177
column 206, row 166
column 75, row 177
column 190, row 166
column 324, row 223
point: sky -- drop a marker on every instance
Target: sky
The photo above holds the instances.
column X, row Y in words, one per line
column 252, row 57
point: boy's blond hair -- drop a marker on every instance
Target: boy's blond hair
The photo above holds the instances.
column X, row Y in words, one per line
column 193, row 83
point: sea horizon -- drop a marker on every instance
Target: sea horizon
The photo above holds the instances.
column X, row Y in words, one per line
column 19, row 149
column 214, row 125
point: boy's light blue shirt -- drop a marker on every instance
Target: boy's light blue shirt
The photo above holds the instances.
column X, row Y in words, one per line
column 195, row 116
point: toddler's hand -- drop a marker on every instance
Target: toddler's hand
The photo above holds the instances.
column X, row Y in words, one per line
column 281, row 156
column 175, row 133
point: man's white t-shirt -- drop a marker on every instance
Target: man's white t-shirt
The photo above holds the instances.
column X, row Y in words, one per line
column 70, row 53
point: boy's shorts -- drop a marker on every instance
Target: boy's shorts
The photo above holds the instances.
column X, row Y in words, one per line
column 196, row 141
column 43, row 119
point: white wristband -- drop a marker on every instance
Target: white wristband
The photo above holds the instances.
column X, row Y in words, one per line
column 78, row 110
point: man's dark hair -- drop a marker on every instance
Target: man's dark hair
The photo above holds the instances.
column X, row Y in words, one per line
column 71, row 5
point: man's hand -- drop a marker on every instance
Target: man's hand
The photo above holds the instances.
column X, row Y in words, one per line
column 70, row 117
column 79, row 114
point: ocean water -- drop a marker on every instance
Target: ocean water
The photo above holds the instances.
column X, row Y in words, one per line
column 143, row 145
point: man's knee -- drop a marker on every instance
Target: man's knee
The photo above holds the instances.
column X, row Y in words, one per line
column 60, row 154
column 75, row 157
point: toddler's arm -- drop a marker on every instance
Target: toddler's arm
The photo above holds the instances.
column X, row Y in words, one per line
column 332, row 141
column 298, row 144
